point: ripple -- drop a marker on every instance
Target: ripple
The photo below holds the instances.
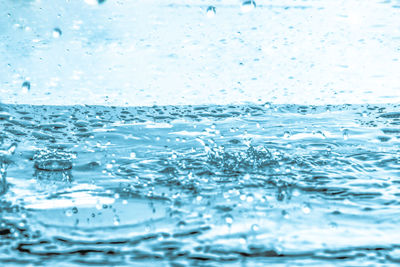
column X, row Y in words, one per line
column 53, row 160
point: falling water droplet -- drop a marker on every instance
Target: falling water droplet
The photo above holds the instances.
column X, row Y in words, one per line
column 26, row 86
column 248, row 6
column 211, row 11
column 57, row 32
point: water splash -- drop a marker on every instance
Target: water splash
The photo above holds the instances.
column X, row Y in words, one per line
column 53, row 160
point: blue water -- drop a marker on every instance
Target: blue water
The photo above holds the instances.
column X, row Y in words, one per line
column 238, row 185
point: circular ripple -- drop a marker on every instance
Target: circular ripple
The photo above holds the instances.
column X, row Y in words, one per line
column 53, row 160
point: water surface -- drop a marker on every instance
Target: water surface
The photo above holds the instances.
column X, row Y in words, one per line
column 245, row 185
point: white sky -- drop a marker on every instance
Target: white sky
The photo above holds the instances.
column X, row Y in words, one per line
column 170, row 52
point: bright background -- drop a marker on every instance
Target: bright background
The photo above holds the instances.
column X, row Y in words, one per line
column 148, row 52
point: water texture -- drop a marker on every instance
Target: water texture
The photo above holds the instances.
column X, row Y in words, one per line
column 205, row 185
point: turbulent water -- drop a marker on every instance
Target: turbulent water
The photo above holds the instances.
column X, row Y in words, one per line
column 245, row 185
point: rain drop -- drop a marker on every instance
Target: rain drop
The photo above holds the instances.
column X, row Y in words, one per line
column 26, row 86
column 57, row 32
column 248, row 6
column 211, row 11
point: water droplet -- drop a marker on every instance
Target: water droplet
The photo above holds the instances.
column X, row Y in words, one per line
column 286, row 134
column 296, row 193
column 229, row 219
column 109, row 166
column 68, row 213
column 26, row 86
column 248, row 6
column 116, row 220
column 211, row 11
column 57, row 32
column 95, row 2
column 250, row 198
column 345, row 134
column 181, row 224
column 319, row 134
column 255, row 227
column 75, row 210
column 306, row 209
